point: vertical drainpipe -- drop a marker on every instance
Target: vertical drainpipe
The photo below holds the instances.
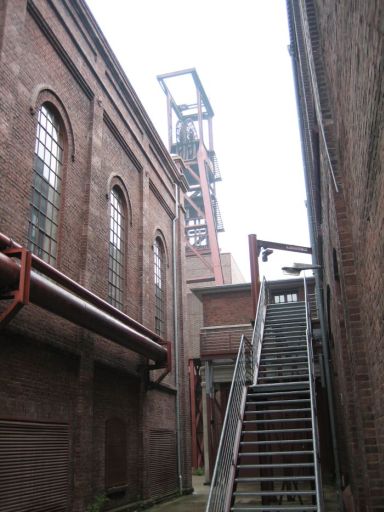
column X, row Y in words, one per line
column 176, row 338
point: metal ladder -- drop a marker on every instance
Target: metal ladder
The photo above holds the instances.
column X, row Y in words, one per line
column 277, row 466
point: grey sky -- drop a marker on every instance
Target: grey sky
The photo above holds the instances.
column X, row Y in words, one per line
column 240, row 52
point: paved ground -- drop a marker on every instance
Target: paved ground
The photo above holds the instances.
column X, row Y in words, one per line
column 192, row 503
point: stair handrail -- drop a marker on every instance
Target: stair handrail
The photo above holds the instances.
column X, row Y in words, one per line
column 245, row 372
column 225, row 465
column 258, row 330
column 311, row 370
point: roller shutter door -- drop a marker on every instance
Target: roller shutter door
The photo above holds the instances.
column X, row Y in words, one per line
column 162, row 463
column 34, row 467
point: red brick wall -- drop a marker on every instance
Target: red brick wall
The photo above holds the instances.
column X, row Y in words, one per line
column 227, row 308
column 356, row 228
column 351, row 49
column 52, row 52
column 117, row 395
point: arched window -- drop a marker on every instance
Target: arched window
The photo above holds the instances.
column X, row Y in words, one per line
column 46, row 187
column 116, row 249
column 159, row 277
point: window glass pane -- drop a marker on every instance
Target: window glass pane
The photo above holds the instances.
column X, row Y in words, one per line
column 158, row 268
column 46, row 185
column 116, row 250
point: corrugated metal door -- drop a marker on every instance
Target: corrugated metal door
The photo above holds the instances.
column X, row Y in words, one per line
column 34, row 467
column 162, row 463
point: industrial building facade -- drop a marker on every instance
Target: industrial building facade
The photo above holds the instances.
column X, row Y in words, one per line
column 337, row 53
column 93, row 372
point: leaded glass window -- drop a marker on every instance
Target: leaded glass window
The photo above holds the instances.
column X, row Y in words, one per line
column 116, row 250
column 159, row 277
column 46, row 187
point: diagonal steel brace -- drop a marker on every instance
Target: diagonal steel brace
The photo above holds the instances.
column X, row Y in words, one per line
column 19, row 296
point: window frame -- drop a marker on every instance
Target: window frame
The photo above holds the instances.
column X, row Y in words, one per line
column 285, row 297
column 50, row 150
column 117, row 219
column 159, row 276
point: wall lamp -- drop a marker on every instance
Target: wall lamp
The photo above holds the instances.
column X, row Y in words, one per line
column 299, row 267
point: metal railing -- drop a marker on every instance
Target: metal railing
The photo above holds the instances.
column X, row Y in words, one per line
column 258, row 330
column 315, row 431
column 222, row 340
column 246, row 367
column 223, row 473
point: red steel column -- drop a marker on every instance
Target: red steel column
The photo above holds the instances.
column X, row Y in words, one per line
column 212, row 235
column 255, row 273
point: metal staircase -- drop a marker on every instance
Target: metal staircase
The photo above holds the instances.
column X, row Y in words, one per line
column 275, row 454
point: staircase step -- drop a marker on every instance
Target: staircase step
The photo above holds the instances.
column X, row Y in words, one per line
column 278, row 351
column 276, row 431
column 281, row 343
column 276, row 420
column 290, row 364
column 278, row 324
column 281, row 351
column 279, row 340
column 283, row 371
column 263, row 379
column 273, row 508
column 285, row 322
column 262, row 454
column 269, row 351
column 277, row 441
column 285, row 314
column 288, row 305
column 260, row 392
column 275, row 493
column 301, row 358
column 291, row 478
column 280, row 402
column 274, row 411
column 279, row 465
column 282, row 386
column 279, row 334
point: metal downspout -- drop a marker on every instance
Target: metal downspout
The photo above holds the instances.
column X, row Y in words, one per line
column 176, row 339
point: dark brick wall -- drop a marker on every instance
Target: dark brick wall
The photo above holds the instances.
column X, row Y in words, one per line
column 350, row 232
column 353, row 33
column 52, row 369
column 117, row 395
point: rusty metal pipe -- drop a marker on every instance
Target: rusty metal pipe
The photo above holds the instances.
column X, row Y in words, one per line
column 61, row 302
column 73, row 286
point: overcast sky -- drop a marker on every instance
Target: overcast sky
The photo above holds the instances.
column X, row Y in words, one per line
column 240, row 51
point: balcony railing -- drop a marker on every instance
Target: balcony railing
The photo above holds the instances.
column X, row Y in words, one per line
column 223, row 340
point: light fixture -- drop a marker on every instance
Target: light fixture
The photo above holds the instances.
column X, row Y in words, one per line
column 299, row 267
column 265, row 253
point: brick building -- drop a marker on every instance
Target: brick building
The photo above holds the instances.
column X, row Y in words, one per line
column 337, row 53
column 87, row 186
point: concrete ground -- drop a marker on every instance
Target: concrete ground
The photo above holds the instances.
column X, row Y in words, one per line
column 191, row 503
